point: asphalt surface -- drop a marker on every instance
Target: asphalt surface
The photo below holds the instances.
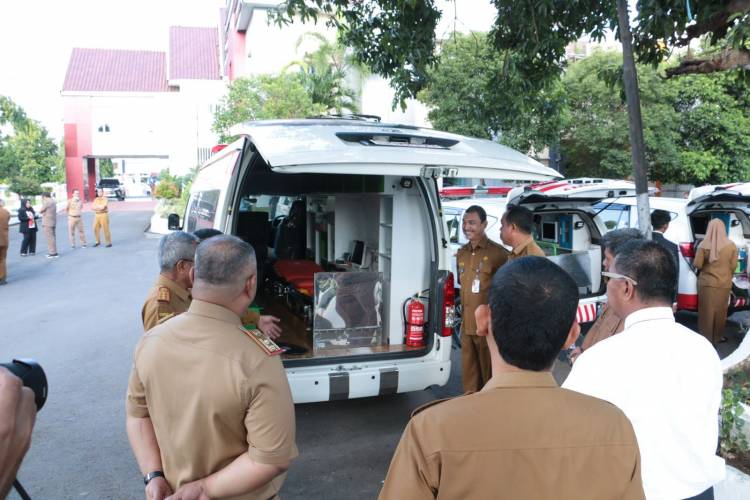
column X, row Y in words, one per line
column 79, row 316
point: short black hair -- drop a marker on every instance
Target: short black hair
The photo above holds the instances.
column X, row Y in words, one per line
column 652, row 266
column 519, row 291
column 206, row 233
column 614, row 240
column 660, row 218
column 522, row 217
column 477, row 210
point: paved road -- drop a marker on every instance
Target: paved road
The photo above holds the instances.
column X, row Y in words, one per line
column 79, row 316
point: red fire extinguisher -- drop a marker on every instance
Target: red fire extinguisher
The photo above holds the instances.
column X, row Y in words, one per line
column 414, row 323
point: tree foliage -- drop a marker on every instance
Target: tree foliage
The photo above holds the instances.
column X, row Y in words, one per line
column 396, row 38
column 696, row 128
column 323, row 73
column 263, row 97
column 474, row 90
column 28, row 156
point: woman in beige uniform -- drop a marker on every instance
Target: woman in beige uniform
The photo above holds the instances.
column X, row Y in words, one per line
column 716, row 259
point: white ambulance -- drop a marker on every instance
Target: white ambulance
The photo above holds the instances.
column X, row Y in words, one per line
column 353, row 250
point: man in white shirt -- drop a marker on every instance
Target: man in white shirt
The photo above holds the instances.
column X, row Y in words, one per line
column 665, row 377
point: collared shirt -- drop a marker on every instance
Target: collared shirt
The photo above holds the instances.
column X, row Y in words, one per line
column 99, row 205
column 479, row 262
column 167, row 299
column 606, row 325
column 4, row 224
column 667, row 379
column 212, row 394
column 49, row 213
column 520, row 437
column 530, row 248
column 716, row 274
column 74, row 207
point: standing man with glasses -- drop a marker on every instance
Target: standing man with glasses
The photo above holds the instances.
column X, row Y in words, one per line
column 665, row 377
column 170, row 295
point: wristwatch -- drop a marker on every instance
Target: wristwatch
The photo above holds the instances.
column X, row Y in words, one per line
column 148, row 477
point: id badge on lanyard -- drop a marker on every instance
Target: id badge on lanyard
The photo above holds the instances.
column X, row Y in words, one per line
column 475, row 282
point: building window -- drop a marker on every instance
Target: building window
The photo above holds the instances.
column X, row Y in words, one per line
column 103, row 128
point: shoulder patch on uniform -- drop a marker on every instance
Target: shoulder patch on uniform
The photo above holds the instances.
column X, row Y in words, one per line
column 164, row 317
column 164, row 295
column 420, row 409
column 267, row 345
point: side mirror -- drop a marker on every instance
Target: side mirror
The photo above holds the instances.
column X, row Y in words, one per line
column 173, row 222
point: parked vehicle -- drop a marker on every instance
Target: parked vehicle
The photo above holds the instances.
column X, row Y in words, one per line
column 353, row 253
column 112, row 188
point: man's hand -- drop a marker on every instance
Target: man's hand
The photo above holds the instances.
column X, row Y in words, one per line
column 17, row 416
column 158, row 489
column 270, row 326
column 191, row 491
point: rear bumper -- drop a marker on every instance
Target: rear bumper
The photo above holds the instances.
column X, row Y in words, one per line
column 689, row 302
column 366, row 379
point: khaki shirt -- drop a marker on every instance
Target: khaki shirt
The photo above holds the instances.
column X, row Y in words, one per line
column 530, row 248
column 527, row 439
column 167, row 299
column 606, row 325
column 75, row 207
column 716, row 274
column 4, row 223
column 49, row 213
column 482, row 263
column 99, row 205
column 212, row 394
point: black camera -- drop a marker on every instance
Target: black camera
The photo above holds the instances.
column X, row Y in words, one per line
column 32, row 375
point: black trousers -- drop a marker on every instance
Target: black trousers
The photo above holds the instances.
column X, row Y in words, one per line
column 706, row 495
column 28, row 245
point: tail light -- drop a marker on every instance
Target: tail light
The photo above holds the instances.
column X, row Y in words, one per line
column 687, row 250
column 449, row 306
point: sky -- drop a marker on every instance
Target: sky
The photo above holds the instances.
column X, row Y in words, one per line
column 37, row 37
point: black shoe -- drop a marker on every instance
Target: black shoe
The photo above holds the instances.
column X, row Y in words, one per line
column 96, row 244
column 3, row 282
column 32, row 253
column 109, row 245
column 24, row 255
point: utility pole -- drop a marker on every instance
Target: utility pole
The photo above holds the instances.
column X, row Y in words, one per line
column 635, row 123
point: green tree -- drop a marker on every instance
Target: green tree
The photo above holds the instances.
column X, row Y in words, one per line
column 396, row 38
column 323, row 74
column 106, row 168
column 474, row 90
column 263, row 97
column 28, row 155
column 696, row 128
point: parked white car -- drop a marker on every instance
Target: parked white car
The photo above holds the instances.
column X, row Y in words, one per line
column 345, row 219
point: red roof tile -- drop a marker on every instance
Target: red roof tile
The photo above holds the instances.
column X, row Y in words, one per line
column 193, row 53
column 106, row 70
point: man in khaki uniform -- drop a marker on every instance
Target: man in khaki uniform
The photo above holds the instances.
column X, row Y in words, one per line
column 521, row 436
column 209, row 409
column 515, row 231
column 170, row 295
column 49, row 224
column 477, row 262
column 101, row 217
column 4, row 241
column 74, row 211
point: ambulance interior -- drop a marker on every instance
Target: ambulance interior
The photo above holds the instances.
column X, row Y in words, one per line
column 338, row 257
column 738, row 231
column 570, row 239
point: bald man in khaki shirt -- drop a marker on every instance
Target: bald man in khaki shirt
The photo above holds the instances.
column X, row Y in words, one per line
column 209, row 407
column 521, row 436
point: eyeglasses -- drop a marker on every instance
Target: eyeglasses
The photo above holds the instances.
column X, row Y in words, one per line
column 616, row 276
